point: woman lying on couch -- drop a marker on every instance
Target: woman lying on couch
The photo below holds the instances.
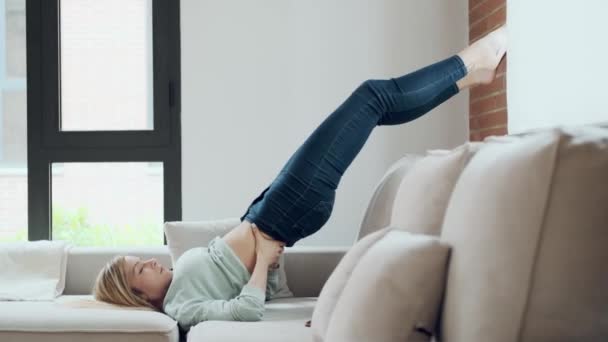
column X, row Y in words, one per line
column 228, row 280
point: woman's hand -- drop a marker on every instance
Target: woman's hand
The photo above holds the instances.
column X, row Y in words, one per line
column 267, row 249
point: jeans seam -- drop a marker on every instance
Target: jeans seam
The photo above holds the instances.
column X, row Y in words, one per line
column 450, row 75
column 418, row 107
column 323, row 159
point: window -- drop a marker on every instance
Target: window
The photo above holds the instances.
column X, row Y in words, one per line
column 106, row 65
column 107, row 204
column 13, row 113
column 104, row 148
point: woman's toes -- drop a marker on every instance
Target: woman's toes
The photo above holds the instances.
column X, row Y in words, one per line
column 500, row 41
column 486, row 53
column 483, row 57
column 495, row 44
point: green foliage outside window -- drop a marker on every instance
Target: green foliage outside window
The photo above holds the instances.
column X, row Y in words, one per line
column 74, row 226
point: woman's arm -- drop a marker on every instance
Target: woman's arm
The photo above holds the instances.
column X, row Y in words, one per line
column 268, row 252
column 247, row 306
column 259, row 277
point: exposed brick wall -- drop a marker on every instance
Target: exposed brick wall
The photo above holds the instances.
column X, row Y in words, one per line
column 488, row 103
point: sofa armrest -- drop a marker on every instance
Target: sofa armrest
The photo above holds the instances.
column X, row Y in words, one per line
column 308, row 268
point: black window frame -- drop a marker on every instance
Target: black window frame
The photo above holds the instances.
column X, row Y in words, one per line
column 47, row 144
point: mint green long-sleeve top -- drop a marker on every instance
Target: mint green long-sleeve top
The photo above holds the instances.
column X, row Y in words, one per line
column 211, row 284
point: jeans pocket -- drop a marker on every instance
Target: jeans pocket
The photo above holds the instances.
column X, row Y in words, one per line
column 314, row 218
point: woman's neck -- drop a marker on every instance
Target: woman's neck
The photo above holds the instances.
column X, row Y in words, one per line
column 158, row 303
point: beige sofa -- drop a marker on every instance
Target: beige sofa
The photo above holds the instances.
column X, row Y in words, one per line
column 307, row 269
column 526, row 219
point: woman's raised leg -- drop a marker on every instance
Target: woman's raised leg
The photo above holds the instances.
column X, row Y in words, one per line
column 300, row 200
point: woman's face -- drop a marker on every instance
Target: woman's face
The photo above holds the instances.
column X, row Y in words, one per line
column 148, row 277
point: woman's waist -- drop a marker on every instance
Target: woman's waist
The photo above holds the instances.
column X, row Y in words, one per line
column 242, row 243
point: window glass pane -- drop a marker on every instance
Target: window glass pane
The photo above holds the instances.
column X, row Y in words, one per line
column 14, row 128
column 15, row 38
column 108, row 204
column 106, row 65
column 13, row 119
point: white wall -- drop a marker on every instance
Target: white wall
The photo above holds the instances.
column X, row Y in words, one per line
column 557, row 64
column 259, row 76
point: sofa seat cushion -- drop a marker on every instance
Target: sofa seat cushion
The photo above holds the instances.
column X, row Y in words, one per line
column 63, row 320
column 284, row 320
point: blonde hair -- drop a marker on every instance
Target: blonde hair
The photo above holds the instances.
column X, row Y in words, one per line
column 112, row 287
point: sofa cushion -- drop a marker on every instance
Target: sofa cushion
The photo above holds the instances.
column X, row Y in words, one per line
column 60, row 320
column 527, row 223
column 182, row 236
column 492, row 222
column 394, row 290
column 284, row 320
column 332, row 290
column 424, row 192
column 380, row 206
column 568, row 295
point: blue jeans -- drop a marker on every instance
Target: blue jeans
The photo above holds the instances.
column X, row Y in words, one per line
column 300, row 199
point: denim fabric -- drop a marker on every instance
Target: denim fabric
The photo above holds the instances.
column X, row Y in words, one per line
column 300, row 199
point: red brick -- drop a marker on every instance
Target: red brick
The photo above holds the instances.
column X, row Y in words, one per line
column 493, row 102
column 474, row 3
column 488, row 103
column 493, row 131
column 481, row 134
column 498, row 84
column 487, row 24
column 497, row 18
column 483, row 10
column 474, row 136
column 488, row 120
column 476, row 32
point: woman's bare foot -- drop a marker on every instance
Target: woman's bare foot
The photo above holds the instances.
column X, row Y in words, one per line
column 482, row 58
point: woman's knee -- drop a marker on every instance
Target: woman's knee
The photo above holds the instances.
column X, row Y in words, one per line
column 368, row 88
column 374, row 93
column 374, row 88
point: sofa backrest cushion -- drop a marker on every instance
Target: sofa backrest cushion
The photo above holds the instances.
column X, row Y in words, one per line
column 380, row 207
column 527, row 222
column 423, row 194
column 184, row 235
column 394, row 292
column 568, row 294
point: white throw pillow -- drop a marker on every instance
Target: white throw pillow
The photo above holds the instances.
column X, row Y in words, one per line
column 184, row 235
column 395, row 291
column 33, row 270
